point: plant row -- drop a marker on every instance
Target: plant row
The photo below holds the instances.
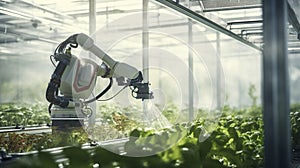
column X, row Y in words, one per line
column 235, row 141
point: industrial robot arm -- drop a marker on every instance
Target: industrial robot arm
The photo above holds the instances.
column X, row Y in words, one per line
column 75, row 78
column 118, row 69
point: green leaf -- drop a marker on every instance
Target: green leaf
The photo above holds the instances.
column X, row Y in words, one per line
column 211, row 163
column 230, row 155
column 204, row 148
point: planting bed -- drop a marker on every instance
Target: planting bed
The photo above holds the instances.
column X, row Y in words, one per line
column 237, row 141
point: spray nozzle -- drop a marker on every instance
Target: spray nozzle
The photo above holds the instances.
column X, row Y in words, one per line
column 140, row 90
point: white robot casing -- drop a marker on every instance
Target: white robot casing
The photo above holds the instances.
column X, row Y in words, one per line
column 79, row 78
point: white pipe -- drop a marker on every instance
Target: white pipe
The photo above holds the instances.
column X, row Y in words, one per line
column 92, row 29
column 145, row 41
column 218, row 72
column 145, row 58
column 191, row 69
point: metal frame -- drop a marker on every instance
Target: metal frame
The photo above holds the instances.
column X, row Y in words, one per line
column 191, row 70
column 191, row 67
column 244, row 22
column 218, row 72
column 195, row 16
column 45, row 9
column 277, row 145
column 232, row 8
column 293, row 19
column 145, row 47
column 92, row 29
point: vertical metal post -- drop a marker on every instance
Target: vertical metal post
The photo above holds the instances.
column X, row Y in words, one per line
column 277, row 146
column 106, row 13
column 191, row 71
column 191, row 66
column 92, row 16
column 92, row 29
column 240, row 96
column 145, row 39
column 218, row 72
column 19, row 91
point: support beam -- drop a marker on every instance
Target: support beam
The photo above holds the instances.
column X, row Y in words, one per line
column 232, row 8
column 44, row 9
column 92, row 16
column 191, row 66
column 199, row 18
column 191, row 71
column 244, row 22
column 145, row 58
column 145, row 39
column 218, row 72
column 92, row 29
column 293, row 20
column 277, row 136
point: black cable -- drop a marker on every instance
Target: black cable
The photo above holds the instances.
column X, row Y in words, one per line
column 62, row 46
column 114, row 95
column 102, row 93
column 74, row 45
column 51, row 59
column 53, row 85
column 49, row 108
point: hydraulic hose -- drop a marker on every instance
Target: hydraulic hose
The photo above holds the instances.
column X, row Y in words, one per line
column 54, row 84
column 102, row 93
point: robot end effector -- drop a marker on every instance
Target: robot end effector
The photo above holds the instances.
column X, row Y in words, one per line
column 125, row 74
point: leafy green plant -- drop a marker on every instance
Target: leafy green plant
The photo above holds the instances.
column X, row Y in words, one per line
column 18, row 143
column 236, row 141
column 295, row 125
column 12, row 114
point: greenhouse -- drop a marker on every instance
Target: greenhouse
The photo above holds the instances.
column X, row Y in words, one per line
column 150, row 83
